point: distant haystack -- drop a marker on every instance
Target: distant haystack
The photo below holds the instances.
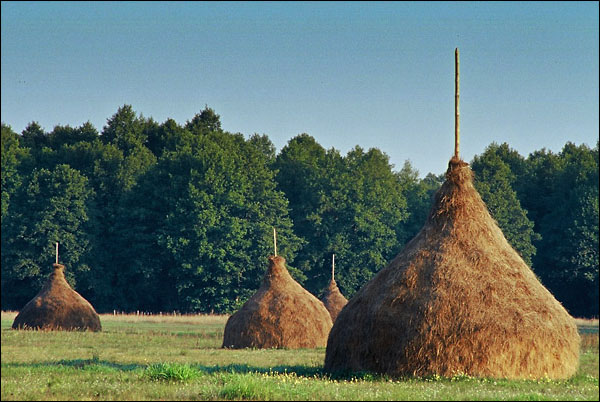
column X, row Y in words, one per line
column 458, row 299
column 58, row 307
column 332, row 298
column 281, row 314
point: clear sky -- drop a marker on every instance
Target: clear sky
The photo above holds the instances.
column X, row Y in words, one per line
column 374, row 74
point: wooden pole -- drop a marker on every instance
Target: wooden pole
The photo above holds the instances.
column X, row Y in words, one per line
column 57, row 252
column 456, row 99
column 275, row 241
column 333, row 267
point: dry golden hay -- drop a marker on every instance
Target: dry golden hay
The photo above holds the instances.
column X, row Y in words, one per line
column 58, row 307
column 281, row 314
column 333, row 299
column 458, row 299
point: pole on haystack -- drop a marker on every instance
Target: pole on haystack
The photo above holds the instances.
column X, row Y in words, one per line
column 57, row 252
column 275, row 241
column 456, row 97
column 333, row 267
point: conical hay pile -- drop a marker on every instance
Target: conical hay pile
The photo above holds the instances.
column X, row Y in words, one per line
column 281, row 314
column 457, row 300
column 333, row 300
column 58, row 307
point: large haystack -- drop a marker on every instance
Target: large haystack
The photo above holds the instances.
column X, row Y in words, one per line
column 58, row 307
column 281, row 314
column 458, row 299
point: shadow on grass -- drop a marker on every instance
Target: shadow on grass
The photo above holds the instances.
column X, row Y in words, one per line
column 300, row 371
column 231, row 368
column 170, row 371
column 80, row 364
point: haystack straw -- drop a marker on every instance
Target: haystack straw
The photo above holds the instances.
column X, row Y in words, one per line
column 332, row 298
column 281, row 314
column 458, row 299
column 58, row 307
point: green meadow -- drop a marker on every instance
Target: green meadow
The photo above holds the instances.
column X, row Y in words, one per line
column 179, row 358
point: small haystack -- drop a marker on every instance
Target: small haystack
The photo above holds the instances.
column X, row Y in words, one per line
column 58, row 307
column 332, row 298
column 458, row 299
column 281, row 314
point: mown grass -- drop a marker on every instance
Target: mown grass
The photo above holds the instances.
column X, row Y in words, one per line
column 179, row 358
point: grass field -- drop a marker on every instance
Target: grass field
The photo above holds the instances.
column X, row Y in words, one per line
column 179, row 358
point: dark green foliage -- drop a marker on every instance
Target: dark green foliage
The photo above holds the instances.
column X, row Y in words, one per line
column 37, row 143
column 264, row 145
column 419, row 198
column 114, row 174
column 200, row 225
column 34, row 136
column 66, row 135
column 12, row 157
column 125, row 129
column 567, row 217
column 180, row 217
column 51, row 207
column 538, row 184
column 204, row 122
column 349, row 206
column 166, row 137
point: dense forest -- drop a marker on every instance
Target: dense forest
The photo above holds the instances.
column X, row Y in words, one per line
column 162, row 216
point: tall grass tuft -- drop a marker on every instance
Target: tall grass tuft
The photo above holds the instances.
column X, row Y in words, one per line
column 247, row 386
column 171, row 372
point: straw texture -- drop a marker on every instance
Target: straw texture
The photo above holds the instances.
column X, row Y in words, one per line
column 333, row 299
column 281, row 314
column 58, row 307
column 458, row 299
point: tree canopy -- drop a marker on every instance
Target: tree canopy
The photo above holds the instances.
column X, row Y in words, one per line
column 163, row 216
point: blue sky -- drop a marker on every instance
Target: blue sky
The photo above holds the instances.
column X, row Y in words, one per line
column 374, row 74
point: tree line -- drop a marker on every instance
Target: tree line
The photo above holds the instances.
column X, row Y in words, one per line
column 162, row 216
